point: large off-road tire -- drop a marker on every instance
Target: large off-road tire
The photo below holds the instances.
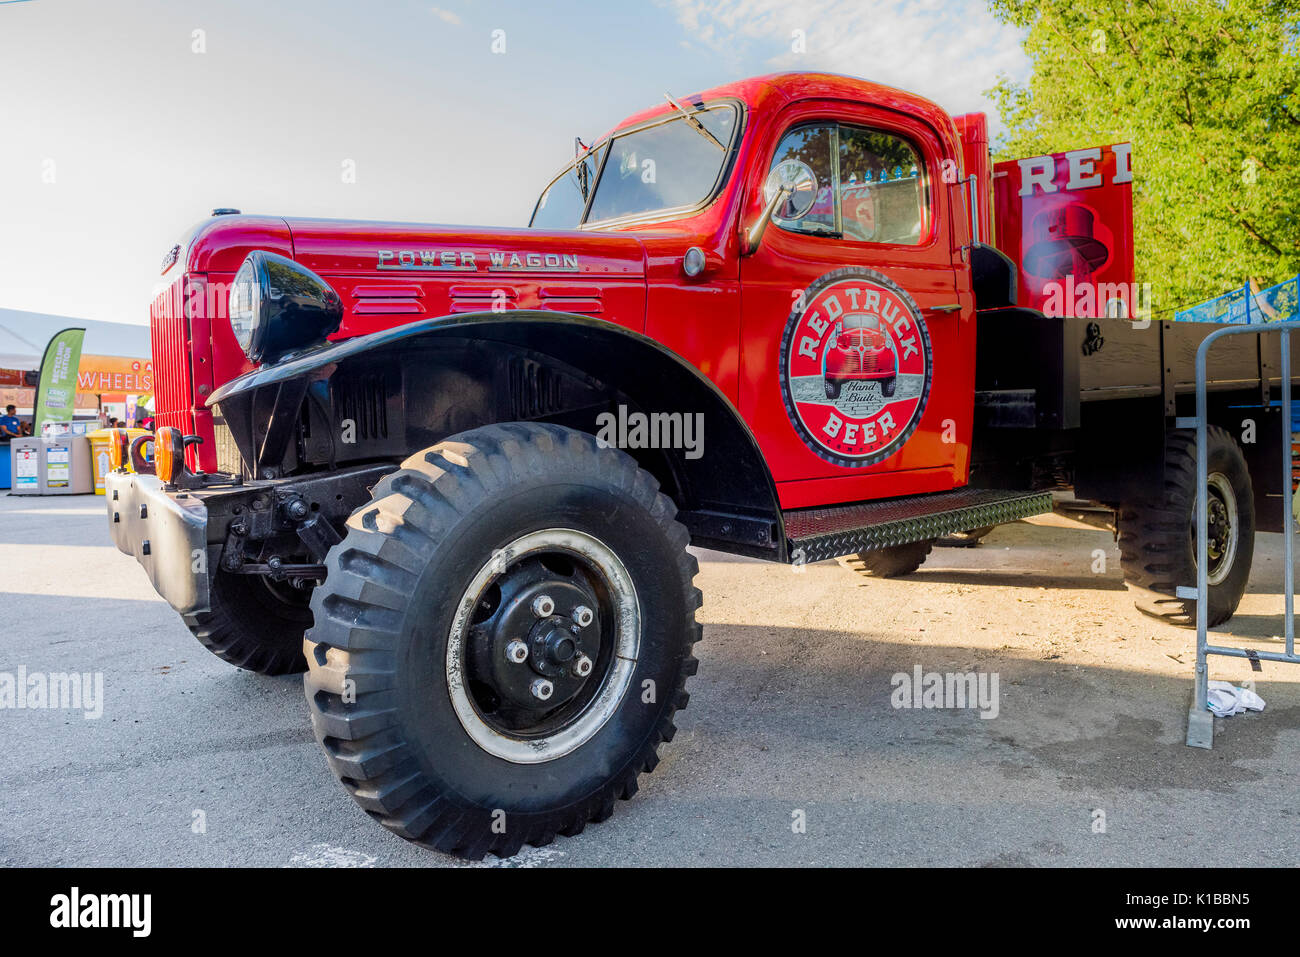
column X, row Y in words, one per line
column 490, row 542
column 1157, row 535
column 892, row 562
column 254, row 623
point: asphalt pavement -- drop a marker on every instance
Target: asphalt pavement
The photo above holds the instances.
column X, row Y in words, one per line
column 792, row 752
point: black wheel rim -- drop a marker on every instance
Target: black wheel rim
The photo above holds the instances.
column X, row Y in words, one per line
column 1221, row 528
column 543, row 645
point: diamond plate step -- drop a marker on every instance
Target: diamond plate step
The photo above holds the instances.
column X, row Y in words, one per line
column 816, row 534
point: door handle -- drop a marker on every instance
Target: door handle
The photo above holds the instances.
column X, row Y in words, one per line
column 951, row 307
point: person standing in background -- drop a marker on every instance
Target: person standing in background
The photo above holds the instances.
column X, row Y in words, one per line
column 10, row 425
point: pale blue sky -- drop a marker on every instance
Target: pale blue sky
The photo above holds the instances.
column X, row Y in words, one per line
column 142, row 136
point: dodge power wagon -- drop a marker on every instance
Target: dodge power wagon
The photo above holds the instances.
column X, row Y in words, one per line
column 385, row 452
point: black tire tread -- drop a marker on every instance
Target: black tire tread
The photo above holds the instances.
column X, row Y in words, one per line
column 1153, row 534
column 237, row 630
column 379, row 562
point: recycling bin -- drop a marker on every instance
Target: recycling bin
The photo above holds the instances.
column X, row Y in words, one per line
column 51, row 466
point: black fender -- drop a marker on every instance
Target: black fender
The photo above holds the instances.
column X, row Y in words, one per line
column 993, row 277
column 388, row 394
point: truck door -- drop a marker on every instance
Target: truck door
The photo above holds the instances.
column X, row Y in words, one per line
column 855, row 376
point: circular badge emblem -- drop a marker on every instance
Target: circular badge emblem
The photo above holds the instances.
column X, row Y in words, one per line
column 855, row 367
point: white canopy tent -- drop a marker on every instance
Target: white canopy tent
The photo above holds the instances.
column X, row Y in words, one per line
column 24, row 335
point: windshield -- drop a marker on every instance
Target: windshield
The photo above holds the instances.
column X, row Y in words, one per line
column 665, row 166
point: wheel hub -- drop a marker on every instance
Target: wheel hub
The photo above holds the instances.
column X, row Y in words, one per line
column 554, row 644
column 536, row 644
column 1220, row 526
column 1218, row 530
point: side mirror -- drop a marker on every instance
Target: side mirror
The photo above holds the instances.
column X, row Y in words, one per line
column 791, row 182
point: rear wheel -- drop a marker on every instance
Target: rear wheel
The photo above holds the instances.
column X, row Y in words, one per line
column 254, row 623
column 503, row 639
column 1157, row 535
column 892, row 562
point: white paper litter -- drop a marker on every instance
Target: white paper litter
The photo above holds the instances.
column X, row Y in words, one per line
column 1226, row 699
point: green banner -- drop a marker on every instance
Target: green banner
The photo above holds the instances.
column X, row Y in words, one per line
column 56, row 392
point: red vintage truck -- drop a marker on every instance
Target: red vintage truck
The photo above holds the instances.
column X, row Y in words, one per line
column 453, row 473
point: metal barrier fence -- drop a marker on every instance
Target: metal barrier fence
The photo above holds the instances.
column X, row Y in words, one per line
column 1200, row 721
column 1279, row 303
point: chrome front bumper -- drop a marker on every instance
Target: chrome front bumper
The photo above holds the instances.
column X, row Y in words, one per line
column 167, row 534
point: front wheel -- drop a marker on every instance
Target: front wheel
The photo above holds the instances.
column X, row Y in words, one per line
column 887, row 386
column 1157, row 534
column 254, row 623
column 503, row 639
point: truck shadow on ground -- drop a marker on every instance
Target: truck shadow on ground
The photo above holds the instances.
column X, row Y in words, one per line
column 1017, row 579
column 1264, row 628
column 1078, row 727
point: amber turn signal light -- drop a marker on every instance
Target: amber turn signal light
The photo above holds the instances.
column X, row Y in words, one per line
column 119, row 449
column 168, row 454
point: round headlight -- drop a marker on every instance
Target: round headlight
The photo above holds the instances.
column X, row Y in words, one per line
column 278, row 307
column 245, row 305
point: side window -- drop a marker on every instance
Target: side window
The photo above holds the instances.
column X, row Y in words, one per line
column 882, row 196
column 812, row 145
column 870, row 185
column 562, row 204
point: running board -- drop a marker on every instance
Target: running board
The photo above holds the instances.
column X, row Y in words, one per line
column 816, row 534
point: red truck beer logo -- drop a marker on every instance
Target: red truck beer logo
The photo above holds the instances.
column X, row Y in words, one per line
column 855, row 367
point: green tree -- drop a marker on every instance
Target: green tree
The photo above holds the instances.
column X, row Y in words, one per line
column 1208, row 92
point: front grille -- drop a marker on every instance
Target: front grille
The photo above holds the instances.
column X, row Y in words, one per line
column 228, row 458
column 866, row 361
column 170, row 338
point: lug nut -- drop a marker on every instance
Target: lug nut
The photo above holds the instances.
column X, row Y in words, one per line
column 582, row 666
column 583, row 616
column 543, row 607
column 542, row 689
column 517, row 651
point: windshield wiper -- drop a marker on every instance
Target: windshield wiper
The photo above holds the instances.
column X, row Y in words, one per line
column 827, row 231
column 580, row 165
column 696, row 124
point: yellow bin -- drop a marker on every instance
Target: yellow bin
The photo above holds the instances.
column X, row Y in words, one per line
column 100, row 442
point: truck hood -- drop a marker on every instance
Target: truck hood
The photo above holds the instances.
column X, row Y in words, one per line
column 392, row 273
